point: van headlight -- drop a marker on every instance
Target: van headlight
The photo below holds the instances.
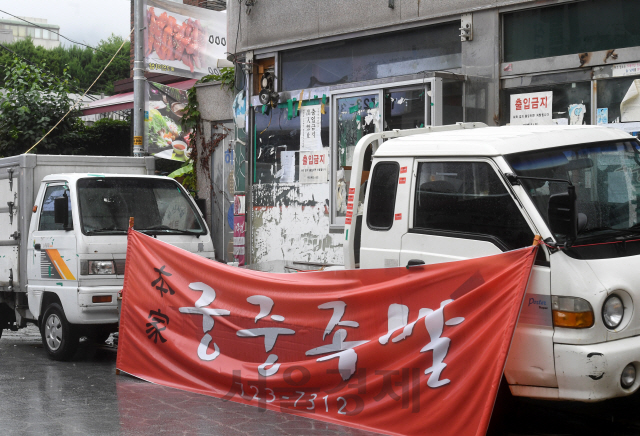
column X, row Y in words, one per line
column 612, row 312
column 97, row 267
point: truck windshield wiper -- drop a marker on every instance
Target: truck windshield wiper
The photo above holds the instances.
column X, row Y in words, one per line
column 106, row 231
column 161, row 228
column 633, row 230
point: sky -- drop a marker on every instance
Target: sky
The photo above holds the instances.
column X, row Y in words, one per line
column 86, row 21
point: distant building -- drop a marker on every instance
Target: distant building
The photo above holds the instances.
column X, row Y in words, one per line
column 42, row 35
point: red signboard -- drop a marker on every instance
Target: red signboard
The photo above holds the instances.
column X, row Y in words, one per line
column 416, row 350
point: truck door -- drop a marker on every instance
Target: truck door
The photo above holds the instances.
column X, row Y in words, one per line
column 462, row 209
column 387, row 213
column 54, row 249
column 10, row 225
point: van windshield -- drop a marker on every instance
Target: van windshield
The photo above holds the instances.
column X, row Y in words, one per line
column 158, row 206
column 607, row 181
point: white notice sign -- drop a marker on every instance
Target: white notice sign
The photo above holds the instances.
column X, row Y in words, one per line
column 314, row 166
column 531, row 109
column 310, row 125
column 621, row 70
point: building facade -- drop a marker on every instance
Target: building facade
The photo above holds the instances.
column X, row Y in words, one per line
column 364, row 66
column 41, row 33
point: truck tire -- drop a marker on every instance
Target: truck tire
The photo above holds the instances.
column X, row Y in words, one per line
column 59, row 337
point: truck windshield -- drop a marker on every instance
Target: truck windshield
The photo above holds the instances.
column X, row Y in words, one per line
column 607, row 181
column 158, row 206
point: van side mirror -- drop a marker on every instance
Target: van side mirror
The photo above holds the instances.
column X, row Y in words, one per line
column 61, row 210
column 563, row 214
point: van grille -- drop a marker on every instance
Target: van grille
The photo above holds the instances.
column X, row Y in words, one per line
column 119, row 263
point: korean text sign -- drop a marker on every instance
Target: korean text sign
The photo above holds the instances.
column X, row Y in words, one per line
column 399, row 351
column 183, row 40
column 533, row 108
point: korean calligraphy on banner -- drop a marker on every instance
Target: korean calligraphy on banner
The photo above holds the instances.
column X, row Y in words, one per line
column 397, row 350
column 531, row 109
column 314, row 166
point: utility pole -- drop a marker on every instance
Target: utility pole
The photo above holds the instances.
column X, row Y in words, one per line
column 139, row 80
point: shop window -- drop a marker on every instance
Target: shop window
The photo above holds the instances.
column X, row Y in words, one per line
column 570, row 28
column 385, row 55
column 404, row 109
column 382, row 198
column 452, row 111
column 565, row 96
column 467, row 199
column 611, row 94
column 356, row 116
column 22, row 31
column 38, row 33
column 277, row 145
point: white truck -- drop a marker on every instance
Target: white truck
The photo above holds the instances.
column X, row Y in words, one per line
column 448, row 193
column 63, row 246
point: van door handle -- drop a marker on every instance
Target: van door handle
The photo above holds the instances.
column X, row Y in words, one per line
column 37, row 247
column 415, row 262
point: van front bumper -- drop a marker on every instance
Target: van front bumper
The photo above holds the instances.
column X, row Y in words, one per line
column 592, row 372
column 96, row 313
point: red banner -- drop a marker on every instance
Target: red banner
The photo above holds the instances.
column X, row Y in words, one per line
column 397, row 350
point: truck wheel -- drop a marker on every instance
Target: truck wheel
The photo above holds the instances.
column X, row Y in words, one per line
column 58, row 336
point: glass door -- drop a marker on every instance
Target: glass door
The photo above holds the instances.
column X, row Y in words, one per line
column 355, row 115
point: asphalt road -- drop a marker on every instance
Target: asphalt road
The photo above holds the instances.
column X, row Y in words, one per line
column 39, row 396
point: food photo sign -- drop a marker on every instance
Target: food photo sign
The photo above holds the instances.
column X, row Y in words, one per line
column 183, row 40
column 164, row 135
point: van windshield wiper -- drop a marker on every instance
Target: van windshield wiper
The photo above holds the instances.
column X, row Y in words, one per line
column 106, row 231
column 161, row 228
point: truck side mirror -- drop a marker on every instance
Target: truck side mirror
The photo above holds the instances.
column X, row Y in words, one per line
column 61, row 210
column 563, row 214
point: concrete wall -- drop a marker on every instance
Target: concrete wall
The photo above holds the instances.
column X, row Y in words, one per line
column 277, row 22
column 215, row 109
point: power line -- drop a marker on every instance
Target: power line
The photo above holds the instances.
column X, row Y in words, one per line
column 74, row 87
column 59, row 34
column 80, row 98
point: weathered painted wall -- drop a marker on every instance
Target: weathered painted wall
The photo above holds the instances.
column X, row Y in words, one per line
column 291, row 222
column 277, row 22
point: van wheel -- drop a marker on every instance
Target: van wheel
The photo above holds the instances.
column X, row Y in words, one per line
column 58, row 336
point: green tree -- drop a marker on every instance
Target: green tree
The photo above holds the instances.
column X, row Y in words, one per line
column 32, row 104
column 82, row 63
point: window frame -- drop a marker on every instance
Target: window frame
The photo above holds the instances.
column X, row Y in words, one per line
column 42, row 202
column 459, row 234
column 369, row 197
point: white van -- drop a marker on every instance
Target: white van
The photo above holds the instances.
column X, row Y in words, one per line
column 456, row 192
column 63, row 250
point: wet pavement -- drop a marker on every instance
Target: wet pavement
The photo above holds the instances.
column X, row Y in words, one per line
column 39, row 396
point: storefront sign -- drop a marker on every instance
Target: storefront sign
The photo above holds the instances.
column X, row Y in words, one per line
column 530, row 109
column 314, row 166
column 396, row 350
column 238, row 205
column 310, row 126
column 621, row 70
column 164, row 136
column 238, row 239
column 183, row 40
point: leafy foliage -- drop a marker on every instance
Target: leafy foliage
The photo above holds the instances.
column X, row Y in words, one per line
column 35, row 101
column 32, row 105
column 82, row 64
